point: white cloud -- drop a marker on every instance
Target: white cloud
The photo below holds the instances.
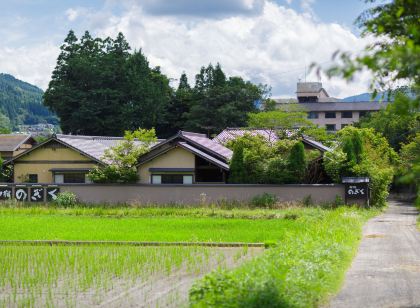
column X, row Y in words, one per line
column 72, row 14
column 271, row 47
column 31, row 64
column 259, row 48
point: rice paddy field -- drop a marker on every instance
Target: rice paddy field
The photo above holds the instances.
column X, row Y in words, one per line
column 310, row 249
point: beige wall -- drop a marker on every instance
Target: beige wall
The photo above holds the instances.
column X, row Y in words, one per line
column 174, row 158
column 41, row 160
column 338, row 120
column 197, row 193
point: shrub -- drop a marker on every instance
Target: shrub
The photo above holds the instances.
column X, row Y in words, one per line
column 297, row 162
column 66, row 199
column 264, row 200
column 307, row 200
column 363, row 152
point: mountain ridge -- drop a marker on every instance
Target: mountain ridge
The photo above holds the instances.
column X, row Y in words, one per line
column 21, row 103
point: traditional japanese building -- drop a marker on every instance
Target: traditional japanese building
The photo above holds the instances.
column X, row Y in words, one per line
column 61, row 159
column 186, row 158
column 12, row 145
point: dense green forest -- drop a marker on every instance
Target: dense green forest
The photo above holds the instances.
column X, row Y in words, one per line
column 21, row 103
column 101, row 87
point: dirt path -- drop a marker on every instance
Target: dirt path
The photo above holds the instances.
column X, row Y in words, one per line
column 386, row 270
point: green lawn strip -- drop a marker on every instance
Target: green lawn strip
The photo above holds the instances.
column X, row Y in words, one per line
column 119, row 212
column 167, row 229
column 306, row 267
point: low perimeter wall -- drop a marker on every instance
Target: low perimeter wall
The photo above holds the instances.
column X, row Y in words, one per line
column 194, row 194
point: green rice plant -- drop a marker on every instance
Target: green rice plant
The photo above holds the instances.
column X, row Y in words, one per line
column 305, row 267
column 50, row 276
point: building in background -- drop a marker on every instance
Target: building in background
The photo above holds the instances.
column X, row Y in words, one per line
column 12, row 145
column 326, row 111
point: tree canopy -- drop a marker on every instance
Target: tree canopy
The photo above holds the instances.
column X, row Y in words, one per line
column 393, row 57
column 99, row 88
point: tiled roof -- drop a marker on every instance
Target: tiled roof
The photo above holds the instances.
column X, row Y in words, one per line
column 93, row 146
column 200, row 153
column 232, row 133
column 11, row 142
column 196, row 143
column 268, row 134
column 208, row 144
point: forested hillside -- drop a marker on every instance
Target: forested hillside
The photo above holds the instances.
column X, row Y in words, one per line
column 21, row 103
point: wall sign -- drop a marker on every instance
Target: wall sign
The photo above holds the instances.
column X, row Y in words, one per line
column 21, row 193
column 6, row 192
column 52, row 192
column 33, row 193
column 37, row 194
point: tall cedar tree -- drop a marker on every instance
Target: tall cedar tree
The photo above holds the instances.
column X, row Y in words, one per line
column 237, row 168
column 178, row 107
column 297, row 162
column 99, row 88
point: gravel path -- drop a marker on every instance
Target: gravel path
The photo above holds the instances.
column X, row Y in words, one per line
column 386, row 270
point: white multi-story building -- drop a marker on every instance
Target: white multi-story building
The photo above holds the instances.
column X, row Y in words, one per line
column 329, row 112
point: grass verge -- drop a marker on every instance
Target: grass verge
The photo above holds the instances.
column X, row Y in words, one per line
column 303, row 270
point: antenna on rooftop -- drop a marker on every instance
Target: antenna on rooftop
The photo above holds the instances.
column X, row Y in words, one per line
column 305, row 72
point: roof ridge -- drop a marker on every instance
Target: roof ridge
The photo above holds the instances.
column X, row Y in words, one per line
column 89, row 137
column 183, row 132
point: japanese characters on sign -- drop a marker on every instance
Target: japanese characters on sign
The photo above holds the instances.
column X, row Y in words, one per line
column 6, row 192
column 21, row 193
column 37, row 194
column 52, row 192
column 33, row 193
column 354, row 190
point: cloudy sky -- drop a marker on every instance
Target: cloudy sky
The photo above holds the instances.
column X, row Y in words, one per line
column 265, row 41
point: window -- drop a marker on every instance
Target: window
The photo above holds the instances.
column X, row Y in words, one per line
column 32, row 178
column 347, row 114
column 188, row 179
column 59, row 178
column 330, row 127
column 71, row 177
column 307, row 99
column 312, row 115
column 343, row 125
column 172, row 179
column 330, row 115
column 156, row 179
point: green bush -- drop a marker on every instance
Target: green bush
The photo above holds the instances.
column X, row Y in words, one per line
column 363, row 153
column 307, row 201
column 264, row 200
column 66, row 199
column 302, row 270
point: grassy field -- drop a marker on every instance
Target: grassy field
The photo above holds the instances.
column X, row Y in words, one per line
column 149, row 224
column 314, row 247
column 304, row 270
